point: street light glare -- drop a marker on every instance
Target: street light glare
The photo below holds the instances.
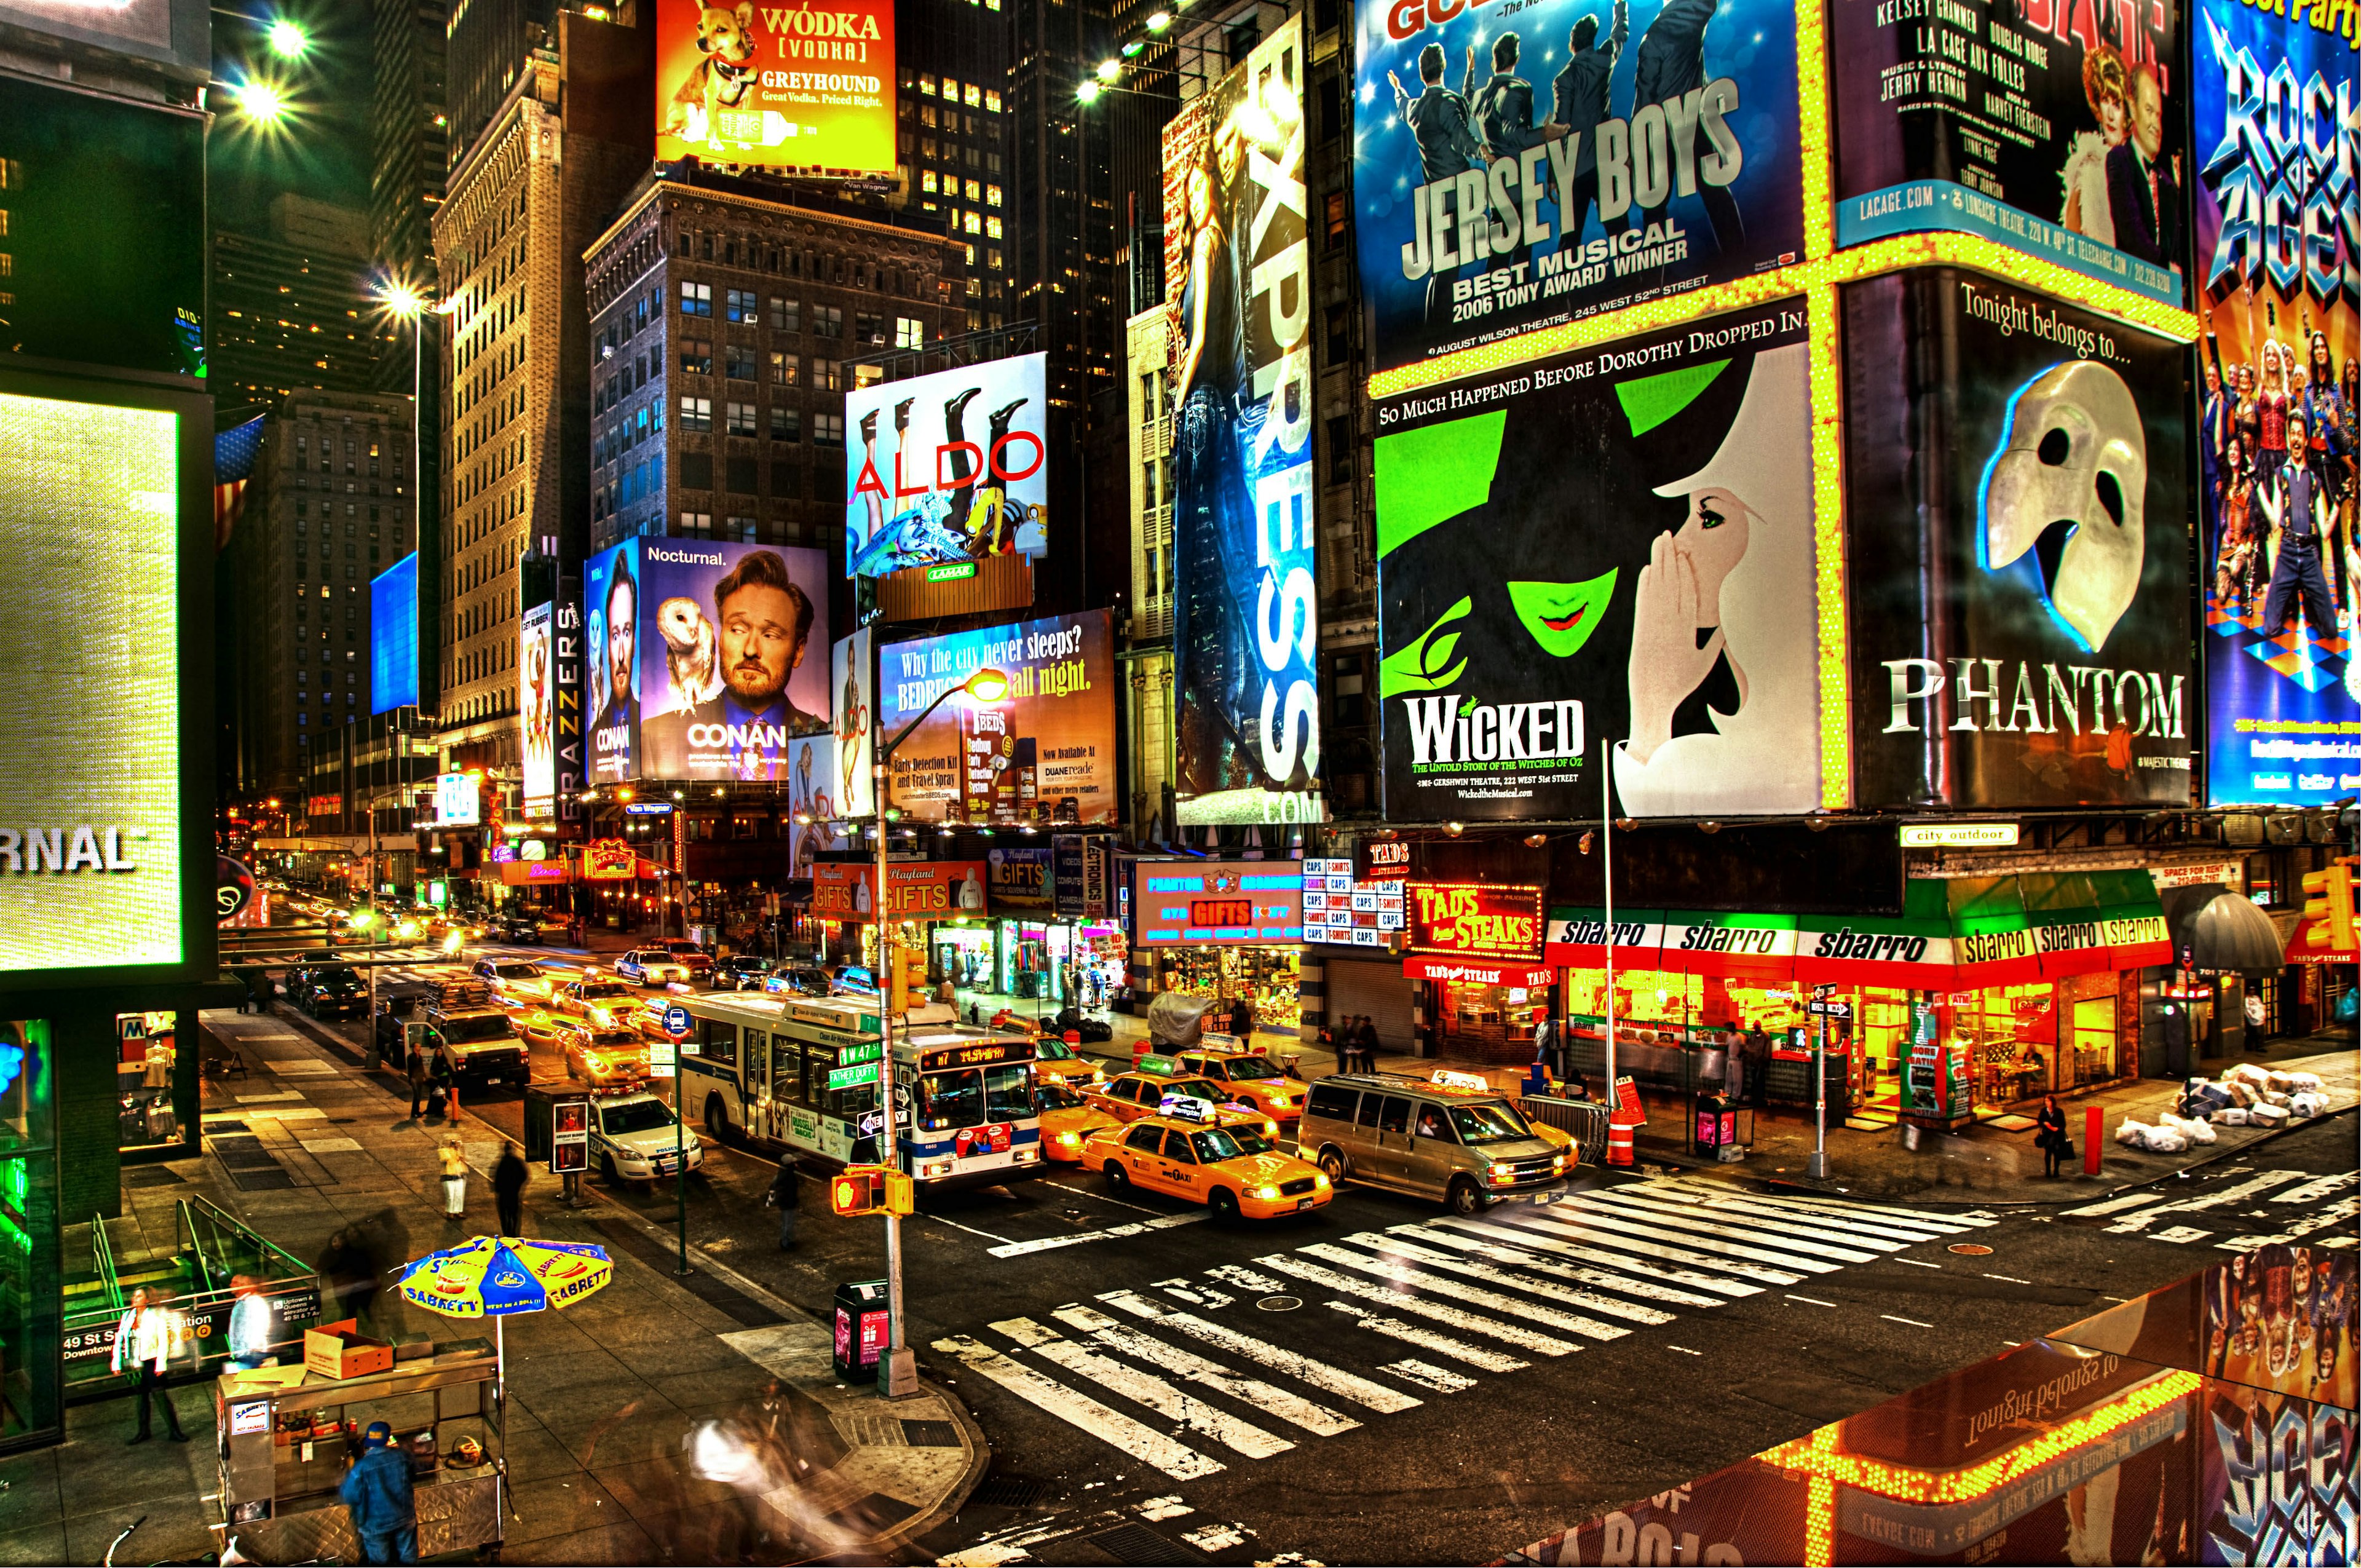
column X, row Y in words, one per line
column 286, row 40
column 1088, row 91
column 987, row 686
column 262, row 103
column 1110, row 68
column 403, row 300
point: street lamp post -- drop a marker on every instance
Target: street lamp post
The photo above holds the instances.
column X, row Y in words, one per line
column 901, row 1363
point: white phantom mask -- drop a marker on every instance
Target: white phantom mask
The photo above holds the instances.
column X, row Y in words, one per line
column 2069, row 483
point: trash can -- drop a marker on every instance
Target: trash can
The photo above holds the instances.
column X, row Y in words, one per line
column 863, row 1328
column 1710, row 1121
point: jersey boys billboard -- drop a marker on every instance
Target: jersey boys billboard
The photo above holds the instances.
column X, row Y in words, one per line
column 2051, row 126
column 2017, row 523
column 2277, row 224
column 1614, row 546
column 947, row 468
column 803, row 87
column 1588, row 157
column 1246, row 618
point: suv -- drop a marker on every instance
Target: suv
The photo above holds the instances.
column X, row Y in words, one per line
column 482, row 1044
column 329, row 991
column 699, row 962
column 1436, row 1142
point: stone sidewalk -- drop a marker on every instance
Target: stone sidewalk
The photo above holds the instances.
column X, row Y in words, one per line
column 602, row 1395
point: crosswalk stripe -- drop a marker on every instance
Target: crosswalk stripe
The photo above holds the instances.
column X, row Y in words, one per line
column 1680, row 1219
column 1344, row 1285
column 1427, row 1339
column 1535, row 1263
column 1251, row 1391
column 1845, row 1208
column 2336, row 1215
column 1660, row 1260
column 1303, row 1368
column 1759, row 1234
column 1393, row 1267
column 1442, row 1379
column 1392, row 1241
column 2109, row 1206
column 1589, row 1221
column 1142, row 1443
column 1143, row 1389
column 2133, row 1223
column 1893, row 1231
column 2312, row 1191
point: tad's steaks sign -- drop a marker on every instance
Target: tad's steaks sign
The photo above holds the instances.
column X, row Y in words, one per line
column 1475, row 920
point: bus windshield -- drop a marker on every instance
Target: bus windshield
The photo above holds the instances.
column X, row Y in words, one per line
column 970, row 1097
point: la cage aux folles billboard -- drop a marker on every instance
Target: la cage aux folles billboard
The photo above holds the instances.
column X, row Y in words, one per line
column 706, row 659
column 2051, row 126
column 1520, row 170
column 2017, row 541
column 1245, row 621
column 2277, row 273
column 948, row 467
column 796, row 87
column 1609, row 545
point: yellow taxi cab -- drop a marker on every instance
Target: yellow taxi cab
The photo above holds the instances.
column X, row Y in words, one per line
column 1129, row 1096
column 1442, row 1080
column 1067, row 1119
column 1251, row 1075
column 1235, row 1171
column 1055, row 1059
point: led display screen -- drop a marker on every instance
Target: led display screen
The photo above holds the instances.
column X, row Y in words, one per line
column 537, row 709
column 393, row 636
column 1586, row 155
column 1225, row 903
column 947, row 468
column 90, row 872
column 803, row 87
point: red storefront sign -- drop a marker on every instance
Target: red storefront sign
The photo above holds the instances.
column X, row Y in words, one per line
column 1470, row 973
column 609, row 860
column 1475, row 920
column 921, row 890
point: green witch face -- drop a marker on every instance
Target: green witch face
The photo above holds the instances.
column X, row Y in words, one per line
column 1561, row 616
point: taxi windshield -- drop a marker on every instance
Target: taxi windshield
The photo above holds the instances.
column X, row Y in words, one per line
column 614, row 1040
column 1227, row 1143
column 1056, row 1096
column 634, row 1116
column 970, row 1097
column 1197, row 1089
column 1048, row 1050
column 1216, row 1071
column 1493, row 1124
column 516, row 972
column 597, row 988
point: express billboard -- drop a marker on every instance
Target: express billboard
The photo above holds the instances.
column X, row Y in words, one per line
column 948, row 467
column 1614, row 544
column 393, row 636
column 808, row 88
column 2279, row 271
column 1044, row 753
column 1510, row 178
column 700, row 665
column 1246, row 619
column 537, row 709
column 2017, row 526
column 2051, row 127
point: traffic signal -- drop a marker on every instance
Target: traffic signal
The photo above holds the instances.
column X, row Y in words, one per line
column 858, row 1190
column 2329, row 905
column 901, row 1193
column 910, row 979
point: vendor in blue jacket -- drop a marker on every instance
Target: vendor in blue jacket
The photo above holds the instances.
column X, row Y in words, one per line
column 377, row 1489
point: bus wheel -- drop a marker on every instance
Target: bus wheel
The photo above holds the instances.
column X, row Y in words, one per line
column 716, row 1120
column 1224, row 1204
column 1115, row 1175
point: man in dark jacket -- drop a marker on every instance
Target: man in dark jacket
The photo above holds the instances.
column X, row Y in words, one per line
column 2142, row 195
column 509, row 1179
column 1368, row 1038
column 783, row 1197
column 1670, row 65
column 377, row 1489
column 1579, row 95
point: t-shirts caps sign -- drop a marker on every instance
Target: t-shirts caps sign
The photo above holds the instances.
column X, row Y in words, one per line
column 1339, row 908
column 921, row 890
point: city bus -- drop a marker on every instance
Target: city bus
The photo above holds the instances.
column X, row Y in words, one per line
column 756, row 1066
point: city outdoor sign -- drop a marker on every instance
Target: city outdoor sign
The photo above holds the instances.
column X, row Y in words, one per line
column 1475, row 920
column 1959, row 835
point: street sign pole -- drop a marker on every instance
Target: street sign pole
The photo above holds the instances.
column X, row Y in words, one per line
column 1818, row 1165
column 676, row 1024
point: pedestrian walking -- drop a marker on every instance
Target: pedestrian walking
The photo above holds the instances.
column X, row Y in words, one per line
column 1331, row 1038
column 783, row 1197
column 147, row 1337
column 454, row 1158
column 250, row 1323
column 1368, row 1043
column 419, row 1065
column 377, row 1491
column 1733, row 1069
column 509, row 1178
column 1242, row 1019
column 2051, row 1139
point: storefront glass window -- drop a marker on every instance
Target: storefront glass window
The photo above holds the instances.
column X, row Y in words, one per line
column 29, row 1301
column 1267, row 978
column 144, row 1071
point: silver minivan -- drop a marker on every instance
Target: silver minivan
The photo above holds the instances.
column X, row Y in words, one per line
column 1463, row 1147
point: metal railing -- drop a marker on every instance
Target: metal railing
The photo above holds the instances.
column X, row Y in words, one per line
column 213, row 1246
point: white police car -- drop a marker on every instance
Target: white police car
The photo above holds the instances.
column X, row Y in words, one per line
column 633, row 1137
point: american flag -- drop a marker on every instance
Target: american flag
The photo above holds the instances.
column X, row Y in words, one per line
column 234, row 454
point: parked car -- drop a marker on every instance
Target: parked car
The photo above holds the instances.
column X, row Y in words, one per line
column 523, row 929
column 637, row 1140
column 742, row 972
column 329, row 991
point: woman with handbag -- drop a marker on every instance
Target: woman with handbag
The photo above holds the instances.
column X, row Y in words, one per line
column 2052, row 1140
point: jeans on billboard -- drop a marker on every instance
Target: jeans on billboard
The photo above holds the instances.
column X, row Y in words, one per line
column 2297, row 574
column 1212, row 534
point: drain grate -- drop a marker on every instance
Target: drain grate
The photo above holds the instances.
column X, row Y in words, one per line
column 151, row 1176
column 1010, row 1492
column 930, row 1434
column 271, row 1181
column 256, row 1158
column 212, row 1128
column 1137, row 1543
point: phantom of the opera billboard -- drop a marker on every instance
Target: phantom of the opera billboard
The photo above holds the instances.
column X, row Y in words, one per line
column 2017, row 527
column 1246, row 619
column 2279, row 264
column 2051, row 126
column 1517, row 172
column 948, row 467
column 1613, row 545
column 706, row 659
column 808, row 88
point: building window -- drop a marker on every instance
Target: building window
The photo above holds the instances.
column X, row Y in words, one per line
column 828, row 430
column 991, row 195
column 696, row 524
column 927, row 83
column 975, row 189
column 867, row 376
column 737, row 476
column 697, row 413
column 696, row 299
column 973, row 222
column 786, row 369
column 868, row 328
column 740, row 529
column 786, row 315
column 926, row 180
column 738, row 362
column 696, row 357
column 991, row 98
column 828, row 321
column 827, row 375
column 1335, row 216
column 909, row 331
column 739, row 305
column 786, row 481
column 1340, row 334
column 1340, row 450
column 990, row 229
column 739, row 418
column 786, row 424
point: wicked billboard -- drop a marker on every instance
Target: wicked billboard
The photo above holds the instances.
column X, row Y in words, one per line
column 1614, row 546
column 1583, row 159
column 2018, row 519
column 2050, row 127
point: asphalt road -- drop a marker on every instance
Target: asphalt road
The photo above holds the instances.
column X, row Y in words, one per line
column 1345, row 1391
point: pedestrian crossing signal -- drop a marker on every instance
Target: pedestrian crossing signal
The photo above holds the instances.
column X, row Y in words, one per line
column 858, row 1190
column 2329, row 905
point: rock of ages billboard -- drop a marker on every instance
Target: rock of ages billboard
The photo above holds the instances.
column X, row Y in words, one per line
column 1609, row 545
column 1246, row 618
column 2051, row 126
column 2017, row 526
column 2278, row 268
column 1584, row 154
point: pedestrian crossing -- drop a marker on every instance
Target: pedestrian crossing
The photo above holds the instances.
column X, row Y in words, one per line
column 1249, row 1362
column 2333, row 1221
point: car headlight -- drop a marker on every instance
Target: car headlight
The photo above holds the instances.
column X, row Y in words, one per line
column 1503, row 1173
column 1269, row 1128
column 1558, row 1162
column 1280, row 1103
column 1268, row 1194
column 1069, row 1140
column 1320, row 1182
